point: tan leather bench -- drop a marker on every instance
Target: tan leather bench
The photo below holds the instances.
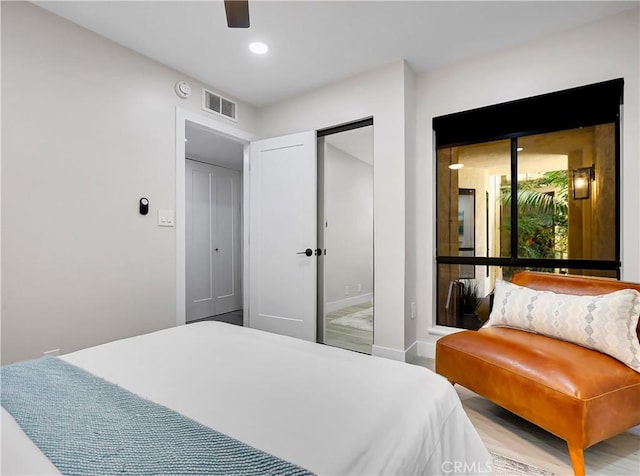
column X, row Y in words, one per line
column 578, row 394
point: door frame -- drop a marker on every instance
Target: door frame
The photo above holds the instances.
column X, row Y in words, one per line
column 237, row 135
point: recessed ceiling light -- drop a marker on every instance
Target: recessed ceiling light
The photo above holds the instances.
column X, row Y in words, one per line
column 456, row 166
column 258, row 47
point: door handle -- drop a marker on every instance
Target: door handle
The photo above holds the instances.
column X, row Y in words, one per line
column 308, row 252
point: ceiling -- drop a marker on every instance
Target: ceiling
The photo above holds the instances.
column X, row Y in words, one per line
column 314, row 43
column 204, row 145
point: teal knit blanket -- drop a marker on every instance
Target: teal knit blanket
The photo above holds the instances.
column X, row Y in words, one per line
column 87, row 426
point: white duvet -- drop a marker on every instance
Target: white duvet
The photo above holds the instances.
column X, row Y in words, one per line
column 327, row 410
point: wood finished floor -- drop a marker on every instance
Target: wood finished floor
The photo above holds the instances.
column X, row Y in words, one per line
column 507, row 434
column 346, row 337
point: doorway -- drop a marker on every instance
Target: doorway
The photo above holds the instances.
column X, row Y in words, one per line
column 212, row 171
column 345, row 236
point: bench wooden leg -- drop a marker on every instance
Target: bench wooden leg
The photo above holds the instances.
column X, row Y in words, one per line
column 577, row 459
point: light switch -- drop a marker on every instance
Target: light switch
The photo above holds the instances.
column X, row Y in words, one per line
column 165, row 218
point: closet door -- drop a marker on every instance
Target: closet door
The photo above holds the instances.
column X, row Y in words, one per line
column 212, row 240
column 226, row 252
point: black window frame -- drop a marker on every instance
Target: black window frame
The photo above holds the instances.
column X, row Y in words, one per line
column 585, row 106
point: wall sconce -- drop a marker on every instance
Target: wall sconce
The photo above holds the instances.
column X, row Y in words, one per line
column 582, row 178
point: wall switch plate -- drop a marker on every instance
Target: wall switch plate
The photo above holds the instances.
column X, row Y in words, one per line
column 412, row 306
column 165, row 218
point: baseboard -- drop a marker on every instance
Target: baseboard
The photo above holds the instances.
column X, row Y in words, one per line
column 420, row 348
column 388, row 353
column 411, row 353
column 393, row 354
column 350, row 301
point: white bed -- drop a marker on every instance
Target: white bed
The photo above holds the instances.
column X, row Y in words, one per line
column 327, row 410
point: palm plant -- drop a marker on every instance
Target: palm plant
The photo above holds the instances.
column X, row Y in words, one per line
column 531, row 199
column 542, row 216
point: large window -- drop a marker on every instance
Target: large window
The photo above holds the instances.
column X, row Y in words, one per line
column 546, row 199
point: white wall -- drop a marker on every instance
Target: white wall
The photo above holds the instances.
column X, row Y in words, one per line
column 600, row 51
column 348, row 198
column 379, row 94
column 413, row 182
column 88, row 127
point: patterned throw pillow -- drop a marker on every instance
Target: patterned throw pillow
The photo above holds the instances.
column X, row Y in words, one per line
column 606, row 323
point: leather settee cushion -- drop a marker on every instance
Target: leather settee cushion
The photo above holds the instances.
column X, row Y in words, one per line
column 552, row 383
column 605, row 322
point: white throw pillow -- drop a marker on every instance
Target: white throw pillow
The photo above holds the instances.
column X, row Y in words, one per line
column 606, row 322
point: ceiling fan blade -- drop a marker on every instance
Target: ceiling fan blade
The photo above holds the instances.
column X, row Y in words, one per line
column 237, row 13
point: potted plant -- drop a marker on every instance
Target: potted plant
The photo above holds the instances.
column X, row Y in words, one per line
column 470, row 300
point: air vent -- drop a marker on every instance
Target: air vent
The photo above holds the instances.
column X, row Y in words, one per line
column 212, row 102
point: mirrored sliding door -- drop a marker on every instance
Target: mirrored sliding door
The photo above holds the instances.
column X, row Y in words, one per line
column 345, row 237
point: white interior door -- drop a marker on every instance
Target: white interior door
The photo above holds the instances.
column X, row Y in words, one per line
column 282, row 296
column 227, row 253
column 212, row 240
